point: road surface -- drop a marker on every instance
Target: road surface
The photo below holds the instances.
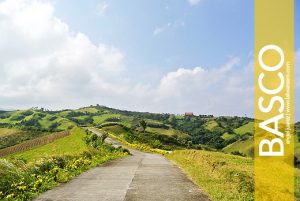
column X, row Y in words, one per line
column 140, row 177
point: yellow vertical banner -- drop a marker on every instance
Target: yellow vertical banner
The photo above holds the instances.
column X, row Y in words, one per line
column 274, row 100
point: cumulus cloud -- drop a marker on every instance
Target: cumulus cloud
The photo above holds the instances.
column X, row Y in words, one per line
column 223, row 90
column 44, row 63
column 193, row 2
column 159, row 29
column 102, row 8
column 41, row 59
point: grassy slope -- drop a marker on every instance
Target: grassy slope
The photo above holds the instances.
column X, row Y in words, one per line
column 163, row 131
column 249, row 127
column 224, row 177
column 210, row 125
column 297, row 148
column 44, row 120
column 245, row 147
column 68, row 145
column 8, row 131
column 228, row 136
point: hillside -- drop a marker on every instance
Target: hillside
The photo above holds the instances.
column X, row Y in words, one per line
column 223, row 176
column 189, row 136
column 167, row 130
column 245, row 146
column 26, row 174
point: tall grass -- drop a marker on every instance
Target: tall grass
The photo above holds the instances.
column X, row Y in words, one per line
column 23, row 181
column 224, row 177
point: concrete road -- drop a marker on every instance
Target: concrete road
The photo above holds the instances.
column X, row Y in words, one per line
column 140, row 177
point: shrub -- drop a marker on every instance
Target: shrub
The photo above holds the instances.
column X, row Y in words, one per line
column 238, row 153
column 21, row 181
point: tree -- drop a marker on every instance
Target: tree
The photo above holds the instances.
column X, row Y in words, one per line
column 143, row 124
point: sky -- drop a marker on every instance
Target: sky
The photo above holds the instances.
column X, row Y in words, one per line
column 167, row 56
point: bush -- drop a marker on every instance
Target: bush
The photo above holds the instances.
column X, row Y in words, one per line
column 21, row 181
column 238, row 153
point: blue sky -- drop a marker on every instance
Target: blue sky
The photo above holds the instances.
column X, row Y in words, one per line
column 207, row 33
column 159, row 56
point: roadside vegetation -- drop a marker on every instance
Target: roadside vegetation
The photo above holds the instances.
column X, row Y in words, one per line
column 222, row 176
column 217, row 152
column 27, row 174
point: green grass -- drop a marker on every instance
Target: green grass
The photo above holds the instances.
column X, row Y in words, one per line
column 8, row 131
column 227, row 136
column 88, row 110
column 117, row 130
column 247, row 128
column 222, row 176
column 210, row 125
column 169, row 132
column 101, row 119
column 68, row 145
column 24, row 181
column 245, row 147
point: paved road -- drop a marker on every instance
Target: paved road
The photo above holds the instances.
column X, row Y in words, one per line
column 140, row 177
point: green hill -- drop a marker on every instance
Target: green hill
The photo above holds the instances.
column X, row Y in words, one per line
column 247, row 128
column 245, row 147
column 71, row 144
column 207, row 130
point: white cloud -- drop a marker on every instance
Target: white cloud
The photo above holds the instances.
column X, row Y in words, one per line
column 224, row 90
column 102, row 8
column 193, row 2
column 159, row 29
column 44, row 63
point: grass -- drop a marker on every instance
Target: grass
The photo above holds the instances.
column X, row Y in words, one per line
column 71, row 144
column 168, row 132
column 24, row 181
column 137, row 146
column 247, row 128
column 31, row 144
column 245, row 147
column 222, row 176
column 210, row 125
column 8, row 131
column 101, row 119
column 118, row 130
column 297, row 184
column 227, row 136
column 88, row 110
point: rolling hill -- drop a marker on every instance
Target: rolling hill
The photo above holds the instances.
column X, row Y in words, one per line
column 227, row 134
column 167, row 129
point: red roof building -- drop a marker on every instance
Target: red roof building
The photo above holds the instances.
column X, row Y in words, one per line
column 188, row 114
